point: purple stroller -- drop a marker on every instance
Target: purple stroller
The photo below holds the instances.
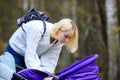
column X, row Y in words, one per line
column 85, row 69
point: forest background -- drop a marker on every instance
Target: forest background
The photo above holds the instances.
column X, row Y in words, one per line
column 98, row 22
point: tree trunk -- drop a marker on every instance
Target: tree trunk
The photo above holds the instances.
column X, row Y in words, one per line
column 32, row 4
column 25, row 5
column 113, row 38
column 74, row 10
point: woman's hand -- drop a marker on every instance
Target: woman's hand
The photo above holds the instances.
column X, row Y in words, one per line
column 48, row 78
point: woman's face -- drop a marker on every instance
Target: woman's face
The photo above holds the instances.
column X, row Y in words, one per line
column 64, row 35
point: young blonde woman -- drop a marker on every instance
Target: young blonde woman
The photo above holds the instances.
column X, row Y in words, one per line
column 32, row 51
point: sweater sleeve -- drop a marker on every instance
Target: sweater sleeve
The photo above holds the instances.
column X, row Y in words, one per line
column 33, row 37
column 50, row 58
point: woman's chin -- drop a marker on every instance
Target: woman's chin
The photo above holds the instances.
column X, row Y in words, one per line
column 61, row 41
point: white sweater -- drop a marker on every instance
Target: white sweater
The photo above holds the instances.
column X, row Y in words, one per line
column 38, row 52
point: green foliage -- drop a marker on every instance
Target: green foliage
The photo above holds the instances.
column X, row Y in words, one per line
column 2, row 47
column 7, row 18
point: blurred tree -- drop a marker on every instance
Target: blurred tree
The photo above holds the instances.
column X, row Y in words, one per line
column 118, row 30
column 113, row 38
column 25, row 5
column 90, row 34
column 7, row 17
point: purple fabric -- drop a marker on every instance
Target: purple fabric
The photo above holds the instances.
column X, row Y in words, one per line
column 85, row 69
column 32, row 74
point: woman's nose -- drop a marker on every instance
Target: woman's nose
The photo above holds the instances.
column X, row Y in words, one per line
column 66, row 39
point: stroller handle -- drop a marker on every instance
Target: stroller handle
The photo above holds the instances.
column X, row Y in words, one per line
column 18, row 77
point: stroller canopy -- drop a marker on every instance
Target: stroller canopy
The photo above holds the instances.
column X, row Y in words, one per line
column 85, row 69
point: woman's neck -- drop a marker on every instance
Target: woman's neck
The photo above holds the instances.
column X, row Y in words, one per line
column 52, row 39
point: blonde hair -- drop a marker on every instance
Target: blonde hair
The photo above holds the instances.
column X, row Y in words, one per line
column 67, row 24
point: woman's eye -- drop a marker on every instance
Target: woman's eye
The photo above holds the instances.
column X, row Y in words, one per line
column 66, row 36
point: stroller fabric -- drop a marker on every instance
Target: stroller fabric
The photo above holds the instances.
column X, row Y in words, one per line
column 85, row 69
